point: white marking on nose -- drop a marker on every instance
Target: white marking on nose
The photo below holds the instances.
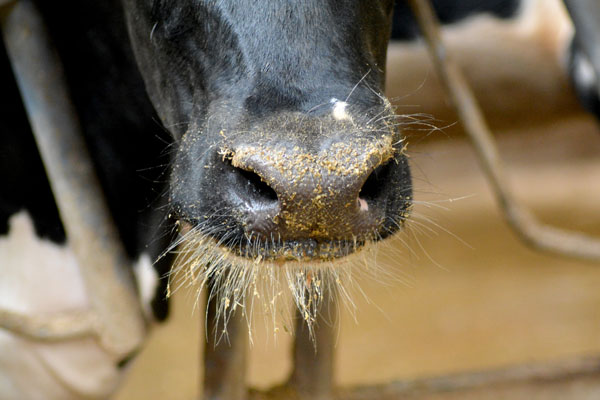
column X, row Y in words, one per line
column 363, row 205
column 339, row 110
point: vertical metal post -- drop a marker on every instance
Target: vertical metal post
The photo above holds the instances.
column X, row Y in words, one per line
column 225, row 357
column 312, row 376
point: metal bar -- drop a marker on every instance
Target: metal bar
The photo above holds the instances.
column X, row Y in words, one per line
column 225, row 357
column 94, row 240
column 571, row 379
column 576, row 378
column 312, row 375
column 533, row 233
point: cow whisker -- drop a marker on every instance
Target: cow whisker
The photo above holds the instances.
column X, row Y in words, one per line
column 243, row 284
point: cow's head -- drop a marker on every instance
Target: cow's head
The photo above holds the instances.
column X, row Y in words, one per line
column 287, row 151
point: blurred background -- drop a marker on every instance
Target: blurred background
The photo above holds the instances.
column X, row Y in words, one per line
column 469, row 295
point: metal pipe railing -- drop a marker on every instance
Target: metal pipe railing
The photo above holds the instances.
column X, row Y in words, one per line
column 521, row 220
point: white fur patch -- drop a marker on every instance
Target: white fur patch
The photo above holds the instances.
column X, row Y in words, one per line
column 41, row 277
column 584, row 71
column 339, row 111
column 147, row 282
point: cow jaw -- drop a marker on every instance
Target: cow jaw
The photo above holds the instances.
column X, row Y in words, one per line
column 262, row 283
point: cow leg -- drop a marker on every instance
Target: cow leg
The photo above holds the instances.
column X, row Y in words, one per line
column 312, row 376
column 225, row 356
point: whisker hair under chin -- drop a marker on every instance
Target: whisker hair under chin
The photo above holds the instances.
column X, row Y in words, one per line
column 244, row 285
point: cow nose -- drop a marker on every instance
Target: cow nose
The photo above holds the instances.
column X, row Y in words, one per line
column 292, row 193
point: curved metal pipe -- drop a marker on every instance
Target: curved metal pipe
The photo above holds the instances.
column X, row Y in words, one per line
column 521, row 220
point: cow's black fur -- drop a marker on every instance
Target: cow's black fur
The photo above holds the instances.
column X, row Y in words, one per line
column 272, row 55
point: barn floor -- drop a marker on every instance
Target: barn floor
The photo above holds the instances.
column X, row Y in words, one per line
column 469, row 294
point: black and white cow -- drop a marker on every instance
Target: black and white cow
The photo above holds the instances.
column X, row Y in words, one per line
column 281, row 149
column 38, row 272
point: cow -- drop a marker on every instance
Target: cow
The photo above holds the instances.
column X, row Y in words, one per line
column 259, row 129
column 281, row 149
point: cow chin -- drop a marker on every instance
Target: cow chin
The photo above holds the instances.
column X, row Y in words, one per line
column 268, row 277
column 305, row 250
column 257, row 249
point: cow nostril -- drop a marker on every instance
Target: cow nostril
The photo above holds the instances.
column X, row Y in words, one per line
column 256, row 185
column 374, row 186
